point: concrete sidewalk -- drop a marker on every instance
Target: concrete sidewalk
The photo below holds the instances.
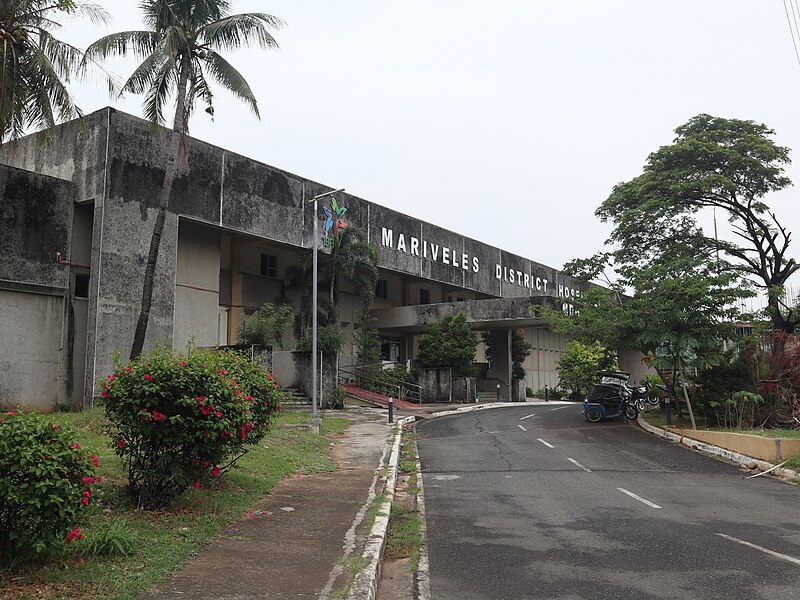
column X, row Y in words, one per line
column 299, row 540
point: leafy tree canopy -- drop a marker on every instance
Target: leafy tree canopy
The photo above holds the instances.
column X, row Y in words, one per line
column 36, row 66
column 578, row 366
column 451, row 343
column 728, row 164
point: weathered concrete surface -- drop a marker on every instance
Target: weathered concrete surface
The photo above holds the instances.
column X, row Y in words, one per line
column 294, row 546
column 770, row 449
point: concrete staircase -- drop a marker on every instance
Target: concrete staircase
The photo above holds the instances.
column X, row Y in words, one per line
column 295, row 399
column 487, row 396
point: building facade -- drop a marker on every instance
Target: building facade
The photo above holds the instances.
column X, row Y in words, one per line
column 78, row 216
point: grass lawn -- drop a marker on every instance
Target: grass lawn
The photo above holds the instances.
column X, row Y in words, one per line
column 124, row 551
column 657, row 419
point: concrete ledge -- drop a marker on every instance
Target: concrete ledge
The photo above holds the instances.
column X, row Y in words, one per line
column 365, row 584
column 735, row 457
column 770, row 449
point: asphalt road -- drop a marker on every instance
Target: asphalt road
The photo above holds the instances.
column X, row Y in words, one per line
column 535, row 502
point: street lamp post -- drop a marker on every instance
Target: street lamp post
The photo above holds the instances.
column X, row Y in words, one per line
column 314, row 416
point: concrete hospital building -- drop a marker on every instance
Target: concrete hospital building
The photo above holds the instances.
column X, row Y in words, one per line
column 76, row 221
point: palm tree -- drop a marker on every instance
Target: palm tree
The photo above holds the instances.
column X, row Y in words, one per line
column 179, row 53
column 36, row 66
column 352, row 259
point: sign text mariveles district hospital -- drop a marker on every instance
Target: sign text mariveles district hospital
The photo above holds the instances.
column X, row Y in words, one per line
column 460, row 260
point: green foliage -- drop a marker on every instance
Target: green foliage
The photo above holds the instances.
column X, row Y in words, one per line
column 726, row 164
column 578, row 366
column 367, row 340
column 329, row 339
column 450, row 343
column 183, row 419
column 36, row 66
column 386, row 381
column 738, row 411
column 520, row 349
column 44, row 488
column 717, row 384
column 110, row 538
column 180, row 53
column 266, row 326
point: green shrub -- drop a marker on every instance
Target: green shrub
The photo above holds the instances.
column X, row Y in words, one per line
column 45, row 486
column 184, row 419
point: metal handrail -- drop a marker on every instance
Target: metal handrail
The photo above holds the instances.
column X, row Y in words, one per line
column 405, row 390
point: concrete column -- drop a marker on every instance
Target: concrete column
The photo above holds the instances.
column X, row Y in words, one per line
column 501, row 360
column 235, row 312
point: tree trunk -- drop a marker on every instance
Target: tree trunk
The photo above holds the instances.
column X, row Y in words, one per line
column 175, row 159
column 686, row 393
column 673, row 396
column 155, row 246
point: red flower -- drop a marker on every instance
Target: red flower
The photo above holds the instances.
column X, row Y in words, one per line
column 11, row 412
column 53, row 426
column 85, row 499
column 112, row 376
column 75, row 534
column 106, row 395
column 148, row 377
column 222, row 372
column 157, row 416
column 270, row 377
column 121, row 443
column 89, row 480
column 181, row 363
column 95, row 461
column 75, row 445
column 215, row 472
column 219, row 414
column 128, row 369
column 197, row 485
column 280, row 409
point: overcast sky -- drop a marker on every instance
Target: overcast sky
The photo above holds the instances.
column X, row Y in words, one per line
column 507, row 120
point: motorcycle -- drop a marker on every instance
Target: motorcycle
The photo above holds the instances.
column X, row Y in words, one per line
column 612, row 397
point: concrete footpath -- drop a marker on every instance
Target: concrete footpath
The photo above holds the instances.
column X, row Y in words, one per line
column 302, row 540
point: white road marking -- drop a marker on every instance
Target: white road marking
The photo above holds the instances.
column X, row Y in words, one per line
column 560, row 407
column 446, row 477
column 759, row 548
column 526, row 417
column 521, row 427
column 545, row 443
column 579, row 465
column 639, row 498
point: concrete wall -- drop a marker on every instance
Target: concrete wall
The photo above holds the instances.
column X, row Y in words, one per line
column 464, row 389
column 36, row 350
column 30, row 356
column 436, row 384
column 769, row 449
column 197, row 280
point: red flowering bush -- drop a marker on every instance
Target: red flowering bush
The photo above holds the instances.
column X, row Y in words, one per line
column 183, row 419
column 45, row 485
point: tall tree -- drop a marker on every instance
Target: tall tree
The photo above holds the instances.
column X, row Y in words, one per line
column 180, row 54
column 36, row 66
column 451, row 343
column 725, row 164
column 677, row 308
column 351, row 259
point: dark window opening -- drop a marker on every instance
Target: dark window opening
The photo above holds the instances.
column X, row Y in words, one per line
column 269, row 265
column 424, row 296
column 382, row 289
column 459, row 298
column 449, row 298
column 81, row 285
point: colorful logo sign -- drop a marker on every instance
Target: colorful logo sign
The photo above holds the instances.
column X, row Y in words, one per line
column 334, row 223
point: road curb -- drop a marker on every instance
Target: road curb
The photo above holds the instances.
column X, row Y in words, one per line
column 365, row 584
column 736, row 457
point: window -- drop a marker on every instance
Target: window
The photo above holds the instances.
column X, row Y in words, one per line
column 269, row 265
column 449, row 298
column 81, row 285
column 424, row 296
column 382, row 289
column 459, row 298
